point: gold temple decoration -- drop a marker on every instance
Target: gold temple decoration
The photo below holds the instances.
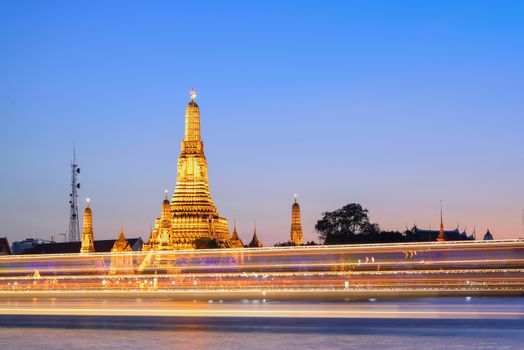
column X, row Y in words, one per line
column 296, row 225
column 192, row 214
column 121, row 263
column 88, row 240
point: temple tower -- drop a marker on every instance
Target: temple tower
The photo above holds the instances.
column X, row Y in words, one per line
column 296, row 225
column 88, row 240
column 193, row 213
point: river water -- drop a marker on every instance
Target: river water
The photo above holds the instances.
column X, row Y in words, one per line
column 446, row 323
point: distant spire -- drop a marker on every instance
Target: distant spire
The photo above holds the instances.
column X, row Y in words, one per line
column 255, row 243
column 234, row 235
column 121, row 235
column 440, row 237
column 488, row 236
column 167, row 194
column 192, row 94
column 87, row 202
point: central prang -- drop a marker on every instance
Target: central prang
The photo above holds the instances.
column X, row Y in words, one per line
column 191, row 218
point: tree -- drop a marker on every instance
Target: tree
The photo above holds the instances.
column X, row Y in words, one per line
column 349, row 224
column 207, row 243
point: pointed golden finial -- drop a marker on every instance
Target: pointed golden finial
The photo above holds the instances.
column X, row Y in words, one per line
column 87, row 202
column 121, row 236
column 192, row 95
column 166, row 194
column 296, row 196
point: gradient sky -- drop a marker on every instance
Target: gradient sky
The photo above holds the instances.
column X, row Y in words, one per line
column 392, row 104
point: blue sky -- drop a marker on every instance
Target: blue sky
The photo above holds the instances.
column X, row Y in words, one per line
column 392, row 104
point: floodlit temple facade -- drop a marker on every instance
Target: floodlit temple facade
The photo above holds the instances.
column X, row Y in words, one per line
column 191, row 215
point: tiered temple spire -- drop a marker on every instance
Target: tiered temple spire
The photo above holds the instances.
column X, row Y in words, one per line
column 296, row 225
column 192, row 214
column 88, row 240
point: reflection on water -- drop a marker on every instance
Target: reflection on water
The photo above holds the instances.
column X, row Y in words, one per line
column 45, row 339
column 490, row 331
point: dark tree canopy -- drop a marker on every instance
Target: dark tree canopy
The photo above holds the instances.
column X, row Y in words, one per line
column 290, row 244
column 349, row 224
column 207, row 243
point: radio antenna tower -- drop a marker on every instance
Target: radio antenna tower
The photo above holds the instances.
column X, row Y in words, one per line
column 73, row 233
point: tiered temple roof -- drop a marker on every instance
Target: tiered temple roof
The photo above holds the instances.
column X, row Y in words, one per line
column 432, row 235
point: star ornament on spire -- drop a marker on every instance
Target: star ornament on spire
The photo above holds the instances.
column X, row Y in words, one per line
column 192, row 94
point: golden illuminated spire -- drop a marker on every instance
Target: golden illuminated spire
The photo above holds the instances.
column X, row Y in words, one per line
column 121, row 244
column 121, row 236
column 193, row 213
column 441, row 237
column 121, row 263
column 88, row 241
column 166, row 208
column 192, row 130
column 296, row 225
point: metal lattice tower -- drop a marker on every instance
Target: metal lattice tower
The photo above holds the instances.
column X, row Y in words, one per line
column 73, row 233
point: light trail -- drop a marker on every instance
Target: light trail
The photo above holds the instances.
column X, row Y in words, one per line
column 287, row 273
column 261, row 309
